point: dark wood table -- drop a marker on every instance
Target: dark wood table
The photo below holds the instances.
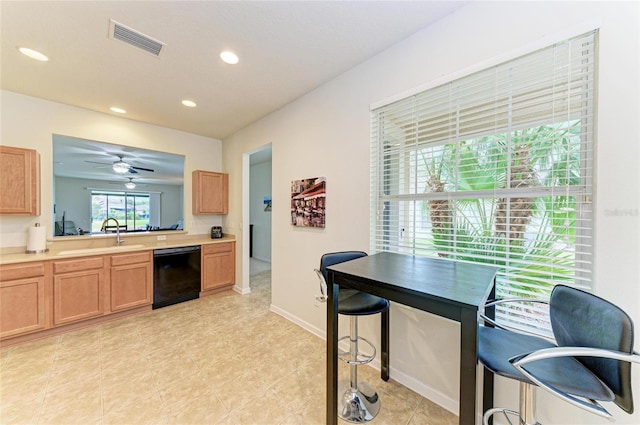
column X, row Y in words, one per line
column 442, row 287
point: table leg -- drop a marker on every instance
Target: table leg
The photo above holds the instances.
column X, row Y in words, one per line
column 487, row 381
column 468, row 359
column 384, row 345
column 332, row 352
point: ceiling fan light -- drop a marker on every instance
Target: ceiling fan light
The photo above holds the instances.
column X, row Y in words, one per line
column 121, row 167
column 130, row 185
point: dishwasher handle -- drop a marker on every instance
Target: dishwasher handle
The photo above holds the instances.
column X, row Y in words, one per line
column 173, row 251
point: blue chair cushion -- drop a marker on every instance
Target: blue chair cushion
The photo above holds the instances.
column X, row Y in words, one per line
column 497, row 346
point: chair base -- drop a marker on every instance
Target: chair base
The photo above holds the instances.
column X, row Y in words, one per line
column 506, row 412
column 358, row 405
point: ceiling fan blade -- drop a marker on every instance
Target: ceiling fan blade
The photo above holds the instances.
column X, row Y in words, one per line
column 142, row 169
column 95, row 162
column 132, row 171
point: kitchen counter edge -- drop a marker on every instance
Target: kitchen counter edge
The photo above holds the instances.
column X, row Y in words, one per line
column 54, row 254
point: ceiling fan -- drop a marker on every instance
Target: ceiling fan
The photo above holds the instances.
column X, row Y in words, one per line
column 122, row 167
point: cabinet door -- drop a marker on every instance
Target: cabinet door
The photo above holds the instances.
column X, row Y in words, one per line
column 21, row 306
column 210, row 192
column 218, row 266
column 78, row 296
column 19, row 181
column 131, row 286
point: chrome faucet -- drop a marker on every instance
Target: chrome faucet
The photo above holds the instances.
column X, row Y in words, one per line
column 104, row 227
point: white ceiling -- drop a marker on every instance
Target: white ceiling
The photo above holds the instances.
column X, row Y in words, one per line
column 286, row 49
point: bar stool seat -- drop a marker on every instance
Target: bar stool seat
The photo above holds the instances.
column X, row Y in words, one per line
column 356, row 303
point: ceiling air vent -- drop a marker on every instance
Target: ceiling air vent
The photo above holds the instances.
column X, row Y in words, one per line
column 134, row 38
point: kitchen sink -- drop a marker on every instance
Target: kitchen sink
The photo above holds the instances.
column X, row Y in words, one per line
column 100, row 250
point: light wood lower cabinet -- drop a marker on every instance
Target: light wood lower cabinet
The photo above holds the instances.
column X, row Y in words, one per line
column 218, row 265
column 22, row 299
column 78, row 289
column 42, row 296
column 131, row 280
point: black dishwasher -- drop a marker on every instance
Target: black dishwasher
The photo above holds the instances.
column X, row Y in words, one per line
column 176, row 275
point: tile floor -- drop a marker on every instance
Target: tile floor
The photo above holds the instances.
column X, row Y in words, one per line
column 223, row 359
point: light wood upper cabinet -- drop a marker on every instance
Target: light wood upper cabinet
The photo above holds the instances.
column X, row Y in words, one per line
column 19, row 181
column 131, row 280
column 78, row 289
column 210, row 192
column 22, row 299
column 218, row 265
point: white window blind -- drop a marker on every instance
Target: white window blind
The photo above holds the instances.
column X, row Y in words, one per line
column 496, row 168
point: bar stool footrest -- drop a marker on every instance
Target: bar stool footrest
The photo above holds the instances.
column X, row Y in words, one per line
column 361, row 358
column 506, row 412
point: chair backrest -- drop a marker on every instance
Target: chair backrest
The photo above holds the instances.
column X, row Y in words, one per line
column 338, row 257
column 581, row 319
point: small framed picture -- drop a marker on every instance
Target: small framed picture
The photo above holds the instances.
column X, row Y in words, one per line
column 308, row 202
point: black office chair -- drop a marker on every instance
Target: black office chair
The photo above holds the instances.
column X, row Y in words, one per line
column 359, row 402
column 588, row 361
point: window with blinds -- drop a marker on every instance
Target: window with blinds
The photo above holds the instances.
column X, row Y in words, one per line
column 496, row 168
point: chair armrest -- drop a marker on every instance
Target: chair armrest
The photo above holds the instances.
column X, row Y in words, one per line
column 323, row 287
column 549, row 353
column 492, row 303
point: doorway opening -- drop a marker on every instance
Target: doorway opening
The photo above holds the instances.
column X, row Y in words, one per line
column 257, row 213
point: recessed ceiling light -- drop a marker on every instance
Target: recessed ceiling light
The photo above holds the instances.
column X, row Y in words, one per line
column 189, row 103
column 33, row 54
column 118, row 110
column 229, row 57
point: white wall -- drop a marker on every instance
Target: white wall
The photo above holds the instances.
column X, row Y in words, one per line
column 30, row 123
column 326, row 133
column 260, row 187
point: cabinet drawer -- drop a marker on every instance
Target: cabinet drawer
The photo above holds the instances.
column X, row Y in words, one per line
column 217, row 247
column 133, row 258
column 79, row 264
column 21, row 271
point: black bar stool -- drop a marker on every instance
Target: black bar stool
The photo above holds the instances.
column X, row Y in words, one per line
column 359, row 401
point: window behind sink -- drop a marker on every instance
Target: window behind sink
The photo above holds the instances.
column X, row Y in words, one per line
column 134, row 211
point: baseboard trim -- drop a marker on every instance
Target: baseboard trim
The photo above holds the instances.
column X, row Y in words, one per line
column 240, row 290
column 320, row 333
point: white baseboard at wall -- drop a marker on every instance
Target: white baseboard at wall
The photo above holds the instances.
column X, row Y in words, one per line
column 408, row 381
column 320, row 333
column 241, row 291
